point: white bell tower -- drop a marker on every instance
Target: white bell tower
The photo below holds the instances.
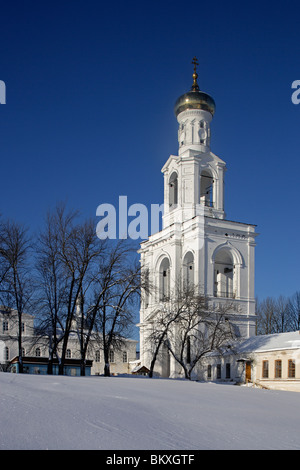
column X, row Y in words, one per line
column 196, row 175
column 197, row 240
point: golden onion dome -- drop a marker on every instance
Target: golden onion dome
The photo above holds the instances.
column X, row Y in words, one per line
column 195, row 99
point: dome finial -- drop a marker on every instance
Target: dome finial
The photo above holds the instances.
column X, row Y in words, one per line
column 195, row 86
column 195, row 99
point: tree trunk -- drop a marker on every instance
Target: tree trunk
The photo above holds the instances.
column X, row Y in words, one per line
column 82, row 368
column 20, row 362
column 161, row 339
column 107, row 370
column 20, row 359
column 106, row 363
column 50, row 365
column 153, row 361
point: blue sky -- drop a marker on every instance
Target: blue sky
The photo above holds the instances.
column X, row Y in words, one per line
column 89, row 116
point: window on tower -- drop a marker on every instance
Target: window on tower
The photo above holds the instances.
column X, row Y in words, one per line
column 173, row 190
column 206, row 189
column 188, row 270
column 164, row 280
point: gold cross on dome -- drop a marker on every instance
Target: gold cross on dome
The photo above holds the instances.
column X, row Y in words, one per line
column 195, row 63
column 195, row 86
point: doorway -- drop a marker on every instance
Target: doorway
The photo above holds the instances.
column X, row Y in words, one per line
column 248, row 372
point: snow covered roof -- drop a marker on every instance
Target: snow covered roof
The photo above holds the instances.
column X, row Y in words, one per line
column 290, row 340
column 139, row 368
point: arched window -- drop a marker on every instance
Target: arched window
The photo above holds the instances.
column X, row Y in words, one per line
column 188, row 269
column 37, row 352
column 164, row 279
column 206, row 189
column 173, row 190
column 224, row 275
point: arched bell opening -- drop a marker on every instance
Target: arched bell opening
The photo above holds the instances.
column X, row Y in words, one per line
column 224, row 275
column 206, row 189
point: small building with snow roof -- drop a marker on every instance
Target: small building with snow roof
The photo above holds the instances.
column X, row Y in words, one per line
column 269, row 361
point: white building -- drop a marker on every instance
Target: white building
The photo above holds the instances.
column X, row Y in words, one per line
column 198, row 242
column 33, row 346
column 268, row 361
column 9, row 325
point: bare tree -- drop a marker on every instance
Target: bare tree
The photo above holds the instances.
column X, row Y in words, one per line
column 89, row 287
column 69, row 250
column 266, row 314
column 52, row 288
column 189, row 327
column 17, row 287
column 117, row 294
column 80, row 249
column 161, row 322
column 293, row 309
column 281, row 319
column 200, row 332
column 273, row 315
column 4, row 261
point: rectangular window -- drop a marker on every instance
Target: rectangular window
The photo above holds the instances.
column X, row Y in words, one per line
column 111, row 356
column 218, row 371
column 278, row 369
column 124, row 356
column 291, row 368
column 209, row 371
column 5, row 326
column 265, row 369
column 97, row 358
column 228, row 370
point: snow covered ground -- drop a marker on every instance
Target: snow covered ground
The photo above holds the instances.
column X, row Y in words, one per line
column 51, row 412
